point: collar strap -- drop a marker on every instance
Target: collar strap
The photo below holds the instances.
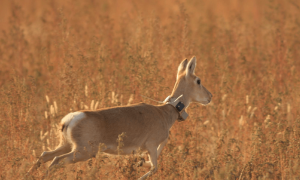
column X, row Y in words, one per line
column 179, row 106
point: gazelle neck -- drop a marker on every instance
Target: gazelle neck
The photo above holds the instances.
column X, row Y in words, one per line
column 171, row 115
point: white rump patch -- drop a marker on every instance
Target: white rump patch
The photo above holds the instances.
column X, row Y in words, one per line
column 70, row 121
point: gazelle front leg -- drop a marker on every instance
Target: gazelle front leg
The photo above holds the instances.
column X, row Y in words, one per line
column 153, row 161
column 159, row 150
column 161, row 146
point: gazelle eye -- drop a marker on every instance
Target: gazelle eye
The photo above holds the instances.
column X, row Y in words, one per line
column 198, row 81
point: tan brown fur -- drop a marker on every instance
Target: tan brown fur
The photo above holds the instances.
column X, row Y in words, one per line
column 146, row 126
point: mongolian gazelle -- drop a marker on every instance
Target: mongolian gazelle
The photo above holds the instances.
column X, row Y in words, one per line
column 146, row 126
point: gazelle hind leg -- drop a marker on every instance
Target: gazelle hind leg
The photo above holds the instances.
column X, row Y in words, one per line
column 71, row 157
column 49, row 155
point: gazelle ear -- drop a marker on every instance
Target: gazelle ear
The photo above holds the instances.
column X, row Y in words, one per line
column 182, row 67
column 190, row 68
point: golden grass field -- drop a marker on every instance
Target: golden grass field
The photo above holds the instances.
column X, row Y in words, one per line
column 62, row 56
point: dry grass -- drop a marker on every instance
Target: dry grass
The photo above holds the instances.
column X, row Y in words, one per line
column 61, row 56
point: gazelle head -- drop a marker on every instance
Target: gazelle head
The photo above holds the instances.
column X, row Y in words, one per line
column 189, row 85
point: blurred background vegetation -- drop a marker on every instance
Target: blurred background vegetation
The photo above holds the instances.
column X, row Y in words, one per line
column 62, row 56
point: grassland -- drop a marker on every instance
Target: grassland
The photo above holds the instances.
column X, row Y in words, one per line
column 62, row 56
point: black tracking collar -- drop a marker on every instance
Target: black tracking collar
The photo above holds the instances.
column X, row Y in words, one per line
column 182, row 115
column 179, row 106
